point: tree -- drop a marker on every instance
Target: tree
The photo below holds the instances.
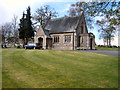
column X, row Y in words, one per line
column 26, row 30
column 106, row 30
column 110, row 11
column 2, row 34
column 22, row 27
column 77, row 8
column 7, row 32
column 30, row 32
column 95, row 8
column 43, row 13
column 15, row 28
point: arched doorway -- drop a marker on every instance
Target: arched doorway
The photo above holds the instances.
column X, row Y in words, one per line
column 91, row 43
column 40, row 42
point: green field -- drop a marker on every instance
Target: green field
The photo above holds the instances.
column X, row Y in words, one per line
column 58, row 69
column 107, row 48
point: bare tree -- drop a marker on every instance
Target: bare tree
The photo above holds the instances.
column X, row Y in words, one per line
column 15, row 28
column 7, row 32
column 43, row 13
column 1, row 34
column 106, row 30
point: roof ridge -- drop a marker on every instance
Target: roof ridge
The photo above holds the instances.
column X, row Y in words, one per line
column 64, row 17
column 63, row 24
column 67, row 17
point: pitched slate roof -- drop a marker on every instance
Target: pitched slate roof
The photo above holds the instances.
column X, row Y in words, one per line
column 62, row 25
column 47, row 33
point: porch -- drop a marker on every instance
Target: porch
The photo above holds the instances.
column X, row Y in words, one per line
column 45, row 43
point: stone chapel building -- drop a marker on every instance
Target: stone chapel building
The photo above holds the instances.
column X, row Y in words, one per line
column 66, row 33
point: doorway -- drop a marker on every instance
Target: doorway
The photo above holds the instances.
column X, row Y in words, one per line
column 40, row 42
column 78, row 45
column 48, row 43
column 91, row 43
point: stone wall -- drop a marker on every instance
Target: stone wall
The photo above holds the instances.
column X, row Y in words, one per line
column 84, row 40
column 62, row 45
column 40, row 34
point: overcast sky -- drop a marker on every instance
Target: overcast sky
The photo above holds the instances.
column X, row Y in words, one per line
column 8, row 8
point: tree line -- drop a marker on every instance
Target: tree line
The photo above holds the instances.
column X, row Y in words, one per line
column 9, row 31
column 13, row 31
column 110, row 11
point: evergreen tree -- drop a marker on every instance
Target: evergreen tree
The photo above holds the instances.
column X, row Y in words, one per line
column 29, row 29
column 26, row 30
column 22, row 26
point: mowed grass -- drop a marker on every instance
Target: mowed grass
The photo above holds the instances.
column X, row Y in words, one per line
column 58, row 69
column 108, row 48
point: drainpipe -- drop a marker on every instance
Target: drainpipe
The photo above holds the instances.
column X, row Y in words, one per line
column 73, row 40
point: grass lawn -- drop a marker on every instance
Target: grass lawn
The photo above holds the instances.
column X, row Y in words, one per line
column 107, row 48
column 58, row 69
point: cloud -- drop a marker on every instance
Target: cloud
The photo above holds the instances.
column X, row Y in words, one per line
column 115, row 41
column 65, row 9
column 63, row 0
column 10, row 7
column 99, row 42
column 99, row 17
